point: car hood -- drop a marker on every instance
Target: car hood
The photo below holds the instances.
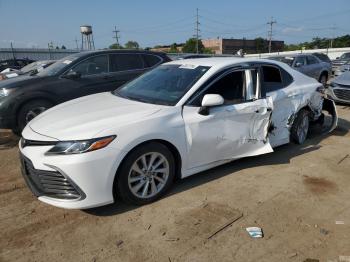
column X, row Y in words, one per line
column 85, row 117
column 343, row 79
column 21, row 80
column 340, row 61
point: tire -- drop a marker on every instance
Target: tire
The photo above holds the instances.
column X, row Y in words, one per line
column 300, row 127
column 29, row 111
column 130, row 184
column 16, row 132
column 323, row 79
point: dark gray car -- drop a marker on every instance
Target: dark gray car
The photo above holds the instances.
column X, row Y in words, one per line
column 339, row 89
column 308, row 64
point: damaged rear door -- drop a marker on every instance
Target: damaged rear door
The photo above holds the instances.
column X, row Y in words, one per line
column 236, row 129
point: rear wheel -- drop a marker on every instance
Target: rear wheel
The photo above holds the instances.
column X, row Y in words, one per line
column 29, row 111
column 146, row 174
column 323, row 79
column 300, row 127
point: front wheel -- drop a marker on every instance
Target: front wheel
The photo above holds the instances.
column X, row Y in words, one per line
column 300, row 127
column 29, row 111
column 146, row 174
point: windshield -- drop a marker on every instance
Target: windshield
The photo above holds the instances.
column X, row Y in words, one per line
column 345, row 56
column 58, row 66
column 164, row 85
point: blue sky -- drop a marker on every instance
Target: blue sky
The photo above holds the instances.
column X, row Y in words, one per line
column 35, row 23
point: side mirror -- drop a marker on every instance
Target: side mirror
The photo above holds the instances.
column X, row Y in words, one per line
column 72, row 75
column 337, row 57
column 208, row 101
column 298, row 64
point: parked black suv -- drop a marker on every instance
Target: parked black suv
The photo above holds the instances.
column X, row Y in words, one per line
column 24, row 97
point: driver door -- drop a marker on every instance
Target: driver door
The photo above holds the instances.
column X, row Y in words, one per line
column 236, row 129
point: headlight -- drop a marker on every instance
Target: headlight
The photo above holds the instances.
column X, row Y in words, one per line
column 78, row 147
column 333, row 84
column 3, row 92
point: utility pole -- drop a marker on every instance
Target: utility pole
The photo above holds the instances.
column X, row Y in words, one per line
column 333, row 28
column 76, row 42
column 13, row 52
column 116, row 32
column 269, row 33
column 197, row 36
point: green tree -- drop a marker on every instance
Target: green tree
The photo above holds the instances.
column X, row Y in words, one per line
column 132, row 45
column 191, row 46
column 173, row 48
column 115, row 46
column 260, row 45
column 63, row 47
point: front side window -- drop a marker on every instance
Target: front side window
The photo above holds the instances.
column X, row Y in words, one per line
column 311, row 60
column 92, row 66
column 231, row 87
column 164, row 85
column 300, row 61
column 125, row 62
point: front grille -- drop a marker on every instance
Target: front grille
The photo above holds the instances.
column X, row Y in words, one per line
column 48, row 183
column 343, row 94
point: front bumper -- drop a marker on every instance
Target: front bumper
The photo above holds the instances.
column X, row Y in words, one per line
column 88, row 177
column 339, row 94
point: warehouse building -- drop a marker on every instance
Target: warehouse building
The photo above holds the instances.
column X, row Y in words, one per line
column 232, row 46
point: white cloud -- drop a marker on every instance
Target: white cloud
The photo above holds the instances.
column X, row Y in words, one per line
column 292, row 29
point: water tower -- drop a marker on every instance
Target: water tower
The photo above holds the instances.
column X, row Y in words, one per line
column 87, row 38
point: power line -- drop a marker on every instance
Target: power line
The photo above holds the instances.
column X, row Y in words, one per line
column 269, row 33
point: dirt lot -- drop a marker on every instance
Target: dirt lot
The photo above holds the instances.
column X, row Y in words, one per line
column 299, row 195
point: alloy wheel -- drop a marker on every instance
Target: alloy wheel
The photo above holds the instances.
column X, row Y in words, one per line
column 34, row 112
column 148, row 175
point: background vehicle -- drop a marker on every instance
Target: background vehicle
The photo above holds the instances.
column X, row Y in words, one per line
column 339, row 89
column 339, row 61
column 181, row 118
column 25, row 97
column 323, row 57
column 341, row 69
column 14, row 63
column 32, row 68
column 309, row 65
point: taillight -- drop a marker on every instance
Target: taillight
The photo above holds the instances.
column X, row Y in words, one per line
column 321, row 89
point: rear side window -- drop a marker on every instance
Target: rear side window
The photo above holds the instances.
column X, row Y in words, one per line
column 125, row 62
column 311, row 60
column 271, row 79
column 151, row 60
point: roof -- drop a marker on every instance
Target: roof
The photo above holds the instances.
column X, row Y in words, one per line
column 222, row 61
column 136, row 51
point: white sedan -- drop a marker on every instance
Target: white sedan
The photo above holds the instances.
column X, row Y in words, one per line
column 181, row 118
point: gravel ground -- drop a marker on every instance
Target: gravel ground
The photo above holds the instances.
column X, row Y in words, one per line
column 298, row 195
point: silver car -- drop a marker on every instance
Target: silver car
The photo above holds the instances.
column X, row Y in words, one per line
column 339, row 62
column 309, row 65
column 339, row 89
column 341, row 69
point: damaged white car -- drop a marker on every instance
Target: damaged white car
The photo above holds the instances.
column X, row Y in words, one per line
column 181, row 118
